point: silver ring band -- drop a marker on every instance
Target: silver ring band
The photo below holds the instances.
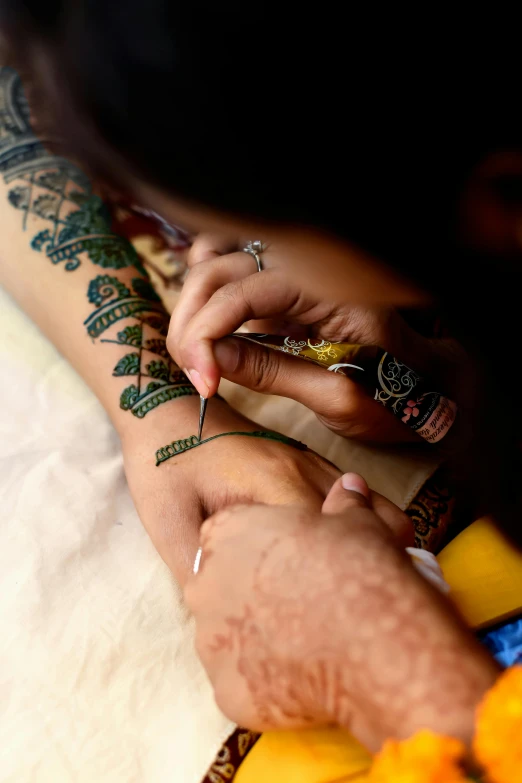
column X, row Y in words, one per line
column 255, row 249
column 197, row 561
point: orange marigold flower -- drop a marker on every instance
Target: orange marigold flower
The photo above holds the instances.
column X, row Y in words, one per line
column 424, row 758
column 498, row 735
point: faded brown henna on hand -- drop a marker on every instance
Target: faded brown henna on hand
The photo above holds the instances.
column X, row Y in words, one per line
column 405, row 665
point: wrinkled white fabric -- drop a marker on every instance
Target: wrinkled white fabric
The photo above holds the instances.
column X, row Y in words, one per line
column 99, row 682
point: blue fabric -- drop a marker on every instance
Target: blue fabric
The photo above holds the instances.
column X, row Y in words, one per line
column 505, row 642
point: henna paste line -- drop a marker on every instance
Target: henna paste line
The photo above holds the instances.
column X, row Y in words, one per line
column 192, row 442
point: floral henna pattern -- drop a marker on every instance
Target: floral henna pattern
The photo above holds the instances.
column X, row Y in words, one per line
column 157, row 378
column 52, row 194
column 397, row 654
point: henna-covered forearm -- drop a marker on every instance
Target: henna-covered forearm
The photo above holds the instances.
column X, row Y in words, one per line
column 81, row 282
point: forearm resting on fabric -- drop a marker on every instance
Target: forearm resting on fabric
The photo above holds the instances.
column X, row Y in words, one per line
column 85, row 287
column 80, row 282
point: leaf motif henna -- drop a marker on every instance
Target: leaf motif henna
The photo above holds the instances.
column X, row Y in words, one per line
column 150, row 400
column 161, row 325
column 131, row 335
column 77, row 224
column 157, row 346
column 192, row 442
column 144, row 289
column 116, row 302
column 128, row 365
column 128, row 397
column 46, row 206
column 54, row 190
column 105, row 286
column 19, row 197
column 158, row 369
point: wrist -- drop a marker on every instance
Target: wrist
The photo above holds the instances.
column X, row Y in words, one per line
column 178, row 419
column 177, row 415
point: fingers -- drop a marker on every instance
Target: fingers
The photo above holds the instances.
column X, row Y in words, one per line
column 399, row 523
column 349, row 491
column 339, row 402
column 265, row 370
column 209, row 246
column 204, row 279
column 260, row 295
column 352, row 491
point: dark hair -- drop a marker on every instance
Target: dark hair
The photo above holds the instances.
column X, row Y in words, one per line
column 302, row 115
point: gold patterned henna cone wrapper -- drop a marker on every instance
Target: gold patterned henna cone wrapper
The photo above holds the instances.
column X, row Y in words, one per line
column 388, row 380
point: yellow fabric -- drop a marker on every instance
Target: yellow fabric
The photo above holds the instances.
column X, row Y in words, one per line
column 308, row 756
column 485, row 575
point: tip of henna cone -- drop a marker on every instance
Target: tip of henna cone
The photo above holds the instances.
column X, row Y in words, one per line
column 202, row 411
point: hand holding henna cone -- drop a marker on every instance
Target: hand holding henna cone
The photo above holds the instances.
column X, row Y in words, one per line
column 388, row 380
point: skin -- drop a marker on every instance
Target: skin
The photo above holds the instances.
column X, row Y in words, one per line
column 221, row 294
column 175, row 499
column 445, row 671
column 308, row 618
column 393, row 660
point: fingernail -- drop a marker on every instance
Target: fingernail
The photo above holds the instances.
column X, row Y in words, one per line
column 198, row 382
column 355, row 483
column 187, row 373
column 226, row 353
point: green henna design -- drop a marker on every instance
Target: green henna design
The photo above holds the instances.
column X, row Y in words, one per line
column 19, row 197
column 141, row 405
column 157, row 346
column 54, row 181
column 161, row 325
column 105, row 286
column 158, row 369
column 46, row 206
column 99, row 321
column 128, row 365
column 129, row 397
column 131, row 335
column 192, row 442
column 86, row 230
column 144, row 289
column 178, row 377
column 52, row 189
column 123, row 307
column 116, row 302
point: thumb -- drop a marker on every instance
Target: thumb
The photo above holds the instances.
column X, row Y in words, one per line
column 349, row 491
column 275, row 372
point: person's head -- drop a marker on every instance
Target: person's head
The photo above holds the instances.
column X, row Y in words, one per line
column 389, row 165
